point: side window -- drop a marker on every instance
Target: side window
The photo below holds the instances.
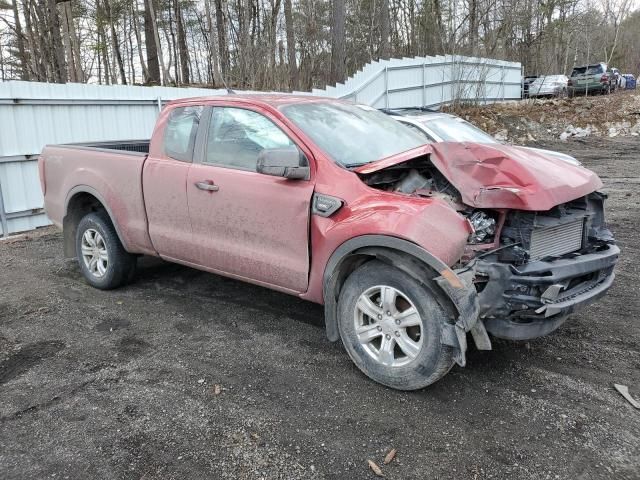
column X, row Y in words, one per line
column 180, row 132
column 237, row 136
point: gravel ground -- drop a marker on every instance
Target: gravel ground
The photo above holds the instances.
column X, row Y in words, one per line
column 187, row 375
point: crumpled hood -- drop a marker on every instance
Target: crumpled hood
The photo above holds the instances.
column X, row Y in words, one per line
column 502, row 176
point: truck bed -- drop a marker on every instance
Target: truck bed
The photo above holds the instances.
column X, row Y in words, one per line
column 109, row 171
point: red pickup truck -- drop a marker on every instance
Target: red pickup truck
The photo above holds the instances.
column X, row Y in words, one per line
column 409, row 246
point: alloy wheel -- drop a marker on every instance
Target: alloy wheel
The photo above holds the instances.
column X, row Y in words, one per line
column 388, row 326
column 94, row 252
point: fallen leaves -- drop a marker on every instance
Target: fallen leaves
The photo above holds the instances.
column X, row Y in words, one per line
column 375, row 468
column 387, row 460
column 390, row 456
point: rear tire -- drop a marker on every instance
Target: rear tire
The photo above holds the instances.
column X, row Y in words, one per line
column 402, row 350
column 103, row 261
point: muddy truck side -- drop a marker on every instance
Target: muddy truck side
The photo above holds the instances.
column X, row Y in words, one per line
column 412, row 248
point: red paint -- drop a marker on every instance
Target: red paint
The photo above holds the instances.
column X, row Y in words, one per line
column 259, row 228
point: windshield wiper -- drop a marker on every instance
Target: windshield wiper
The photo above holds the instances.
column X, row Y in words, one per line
column 354, row 165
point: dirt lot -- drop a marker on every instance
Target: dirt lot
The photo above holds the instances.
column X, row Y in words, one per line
column 187, row 375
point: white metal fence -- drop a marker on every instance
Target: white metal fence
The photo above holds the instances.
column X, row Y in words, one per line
column 35, row 114
column 430, row 81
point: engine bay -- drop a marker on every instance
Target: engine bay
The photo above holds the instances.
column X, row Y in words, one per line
column 515, row 236
column 415, row 177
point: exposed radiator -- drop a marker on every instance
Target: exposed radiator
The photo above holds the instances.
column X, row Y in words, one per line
column 556, row 239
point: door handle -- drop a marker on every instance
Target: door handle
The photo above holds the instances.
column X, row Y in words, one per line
column 207, row 186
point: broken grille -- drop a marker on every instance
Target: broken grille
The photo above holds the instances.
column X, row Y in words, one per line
column 556, row 239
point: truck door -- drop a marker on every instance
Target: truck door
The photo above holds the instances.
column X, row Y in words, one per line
column 244, row 223
column 164, row 182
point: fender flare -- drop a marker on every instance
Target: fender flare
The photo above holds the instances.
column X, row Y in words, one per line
column 456, row 285
column 93, row 192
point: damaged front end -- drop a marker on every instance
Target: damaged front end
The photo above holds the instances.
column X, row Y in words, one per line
column 546, row 265
column 524, row 270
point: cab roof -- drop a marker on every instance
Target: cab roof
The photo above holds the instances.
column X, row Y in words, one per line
column 275, row 100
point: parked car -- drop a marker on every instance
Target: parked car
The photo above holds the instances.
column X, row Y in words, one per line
column 630, row 81
column 589, row 79
column 526, row 81
column 549, row 86
column 409, row 246
column 440, row 127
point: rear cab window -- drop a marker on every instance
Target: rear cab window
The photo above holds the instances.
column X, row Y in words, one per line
column 180, row 133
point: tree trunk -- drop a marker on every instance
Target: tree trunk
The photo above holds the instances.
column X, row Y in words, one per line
column 150, row 36
column 291, row 46
column 225, row 63
column 31, row 40
column 385, row 31
column 66, row 40
column 213, row 47
column 244, row 12
column 473, row 25
column 36, row 43
column 338, row 47
column 114, row 42
column 156, row 34
column 136, row 31
column 75, row 46
column 183, row 51
column 22, row 53
column 59, row 65
column 182, row 45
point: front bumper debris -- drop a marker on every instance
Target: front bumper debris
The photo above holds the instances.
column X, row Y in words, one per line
column 458, row 285
column 521, row 303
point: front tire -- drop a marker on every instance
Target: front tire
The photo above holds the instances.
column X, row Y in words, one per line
column 103, row 261
column 391, row 326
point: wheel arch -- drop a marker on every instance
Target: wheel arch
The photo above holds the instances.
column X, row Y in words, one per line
column 80, row 201
column 398, row 252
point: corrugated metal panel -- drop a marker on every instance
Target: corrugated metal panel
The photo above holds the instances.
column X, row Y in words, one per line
column 430, row 81
column 20, row 186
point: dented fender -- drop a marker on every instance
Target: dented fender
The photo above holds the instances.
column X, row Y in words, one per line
column 455, row 285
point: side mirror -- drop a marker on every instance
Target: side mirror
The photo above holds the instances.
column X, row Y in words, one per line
column 283, row 162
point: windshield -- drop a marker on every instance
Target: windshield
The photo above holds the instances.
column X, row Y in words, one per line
column 352, row 134
column 451, row 129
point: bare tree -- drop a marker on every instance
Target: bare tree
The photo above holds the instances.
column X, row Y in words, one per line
column 151, row 41
column 275, row 44
column 338, row 46
column 291, row 46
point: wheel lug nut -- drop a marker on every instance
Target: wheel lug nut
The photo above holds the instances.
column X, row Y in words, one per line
column 397, row 322
column 388, row 336
column 397, row 333
column 379, row 317
column 388, row 314
column 379, row 329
